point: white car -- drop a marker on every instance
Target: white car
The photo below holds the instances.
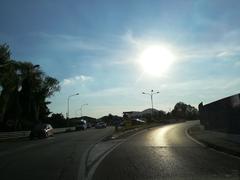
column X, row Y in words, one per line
column 41, row 131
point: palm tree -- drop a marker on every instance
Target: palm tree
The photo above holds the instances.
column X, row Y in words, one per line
column 23, row 93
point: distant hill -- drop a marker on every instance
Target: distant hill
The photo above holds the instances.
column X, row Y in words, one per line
column 112, row 116
column 148, row 111
column 111, row 119
column 87, row 118
column 142, row 113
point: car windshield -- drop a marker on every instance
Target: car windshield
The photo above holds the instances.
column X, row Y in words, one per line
column 119, row 89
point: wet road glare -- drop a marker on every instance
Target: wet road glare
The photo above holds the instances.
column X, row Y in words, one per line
column 166, row 153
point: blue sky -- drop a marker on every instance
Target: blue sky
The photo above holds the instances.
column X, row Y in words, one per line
column 93, row 48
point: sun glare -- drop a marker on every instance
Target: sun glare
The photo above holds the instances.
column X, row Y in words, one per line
column 156, row 60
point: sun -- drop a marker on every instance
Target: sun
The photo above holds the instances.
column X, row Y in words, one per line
column 156, row 60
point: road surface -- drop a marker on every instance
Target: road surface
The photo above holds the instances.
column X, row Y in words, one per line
column 55, row 158
column 166, row 153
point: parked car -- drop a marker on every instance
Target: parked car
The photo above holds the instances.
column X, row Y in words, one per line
column 82, row 125
column 89, row 125
column 99, row 125
column 41, row 131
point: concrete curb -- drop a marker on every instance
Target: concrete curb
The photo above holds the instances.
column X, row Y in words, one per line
column 193, row 139
column 82, row 171
column 130, row 132
column 92, row 168
column 212, row 145
column 25, row 135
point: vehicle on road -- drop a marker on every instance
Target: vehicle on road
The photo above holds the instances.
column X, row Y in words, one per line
column 82, row 125
column 100, row 125
column 89, row 125
column 41, row 131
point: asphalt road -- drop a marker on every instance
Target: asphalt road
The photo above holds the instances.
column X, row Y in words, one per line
column 166, row 153
column 55, row 158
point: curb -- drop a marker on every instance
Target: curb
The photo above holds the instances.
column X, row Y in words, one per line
column 193, row 139
column 82, row 170
column 23, row 138
column 130, row 132
column 93, row 167
column 215, row 147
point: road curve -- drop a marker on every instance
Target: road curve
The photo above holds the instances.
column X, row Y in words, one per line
column 54, row 158
column 166, row 153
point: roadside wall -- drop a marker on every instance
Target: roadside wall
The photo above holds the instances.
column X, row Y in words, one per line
column 222, row 115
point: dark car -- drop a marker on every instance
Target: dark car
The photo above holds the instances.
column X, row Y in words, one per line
column 41, row 131
column 89, row 125
column 82, row 125
column 100, row 125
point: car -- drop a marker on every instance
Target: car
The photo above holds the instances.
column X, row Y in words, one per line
column 41, row 130
column 100, row 125
column 89, row 125
column 82, row 125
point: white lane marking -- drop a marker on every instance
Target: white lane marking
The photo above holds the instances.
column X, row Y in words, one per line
column 191, row 138
column 226, row 154
column 96, row 164
column 210, row 148
column 82, row 168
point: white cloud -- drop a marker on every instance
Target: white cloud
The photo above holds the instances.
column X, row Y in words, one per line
column 128, row 37
column 76, row 80
column 227, row 47
column 224, row 53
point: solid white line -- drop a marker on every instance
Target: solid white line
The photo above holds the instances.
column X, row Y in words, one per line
column 226, row 154
column 82, row 167
column 96, row 164
column 210, row 148
column 194, row 140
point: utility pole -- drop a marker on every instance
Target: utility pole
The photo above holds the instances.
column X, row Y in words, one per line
column 151, row 95
column 68, row 99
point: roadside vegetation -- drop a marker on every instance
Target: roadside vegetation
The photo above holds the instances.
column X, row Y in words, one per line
column 24, row 92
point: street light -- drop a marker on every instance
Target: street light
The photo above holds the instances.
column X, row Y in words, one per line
column 151, row 95
column 82, row 108
column 67, row 114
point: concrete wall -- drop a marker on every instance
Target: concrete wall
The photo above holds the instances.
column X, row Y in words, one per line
column 222, row 115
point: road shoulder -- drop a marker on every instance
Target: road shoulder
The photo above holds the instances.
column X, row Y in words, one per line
column 227, row 143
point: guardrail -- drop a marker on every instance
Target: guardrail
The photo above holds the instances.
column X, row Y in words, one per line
column 22, row 134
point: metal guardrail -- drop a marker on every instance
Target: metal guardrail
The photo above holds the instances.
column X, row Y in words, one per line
column 22, row 134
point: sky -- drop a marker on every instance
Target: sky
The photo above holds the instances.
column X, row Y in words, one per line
column 95, row 48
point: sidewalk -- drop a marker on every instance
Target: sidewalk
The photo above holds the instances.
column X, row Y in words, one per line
column 228, row 143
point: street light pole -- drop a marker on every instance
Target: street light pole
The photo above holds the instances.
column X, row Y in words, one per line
column 151, row 95
column 67, row 114
column 82, row 107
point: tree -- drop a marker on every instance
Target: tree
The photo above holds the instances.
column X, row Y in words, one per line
column 184, row 111
column 8, row 80
column 57, row 120
column 24, row 91
column 5, row 54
